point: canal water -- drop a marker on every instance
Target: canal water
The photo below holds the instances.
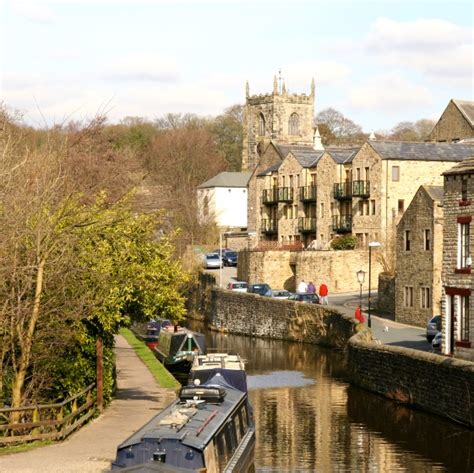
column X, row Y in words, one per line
column 309, row 419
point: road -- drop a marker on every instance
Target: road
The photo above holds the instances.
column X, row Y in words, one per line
column 384, row 328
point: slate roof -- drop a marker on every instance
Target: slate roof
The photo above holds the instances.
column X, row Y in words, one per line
column 435, row 192
column 307, row 156
column 228, row 179
column 465, row 167
column 343, row 155
column 413, row 151
column 272, row 168
column 466, row 107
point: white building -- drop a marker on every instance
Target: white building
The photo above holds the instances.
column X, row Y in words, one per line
column 223, row 199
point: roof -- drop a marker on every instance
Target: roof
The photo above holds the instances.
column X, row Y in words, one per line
column 466, row 107
column 343, row 155
column 413, row 151
column 228, row 179
column 307, row 156
column 435, row 192
column 466, row 167
column 272, row 168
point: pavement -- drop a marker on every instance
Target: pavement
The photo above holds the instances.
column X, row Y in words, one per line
column 93, row 447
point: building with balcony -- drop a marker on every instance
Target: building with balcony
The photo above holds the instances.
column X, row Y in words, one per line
column 458, row 250
column 419, row 256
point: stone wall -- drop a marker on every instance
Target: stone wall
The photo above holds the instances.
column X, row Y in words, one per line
column 254, row 315
column 284, row 269
column 451, row 126
column 386, row 294
column 434, row 383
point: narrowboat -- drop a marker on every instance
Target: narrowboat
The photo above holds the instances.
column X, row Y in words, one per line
column 153, row 329
column 209, row 429
column 177, row 348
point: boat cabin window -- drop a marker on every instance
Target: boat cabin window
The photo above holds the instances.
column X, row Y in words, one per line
column 243, row 414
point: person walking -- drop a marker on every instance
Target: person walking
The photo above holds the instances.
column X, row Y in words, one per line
column 359, row 316
column 311, row 289
column 323, row 294
column 302, row 287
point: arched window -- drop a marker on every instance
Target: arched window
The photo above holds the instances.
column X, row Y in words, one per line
column 261, row 125
column 294, row 124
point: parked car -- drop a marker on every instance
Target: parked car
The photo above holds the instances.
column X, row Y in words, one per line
column 238, row 286
column 281, row 294
column 212, row 260
column 229, row 258
column 305, row 297
column 436, row 343
column 261, row 288
column 222, row 250
column 433, row 327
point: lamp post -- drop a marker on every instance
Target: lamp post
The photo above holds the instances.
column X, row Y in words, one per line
column 361, row 279
column 372, row 244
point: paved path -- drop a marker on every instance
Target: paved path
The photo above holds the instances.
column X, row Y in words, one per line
column 92, row 448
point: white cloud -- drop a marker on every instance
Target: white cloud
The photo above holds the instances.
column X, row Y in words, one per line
column 389, row 93
column 436, row 48
column 324, row 72
column 147, row 66
column 37, row 12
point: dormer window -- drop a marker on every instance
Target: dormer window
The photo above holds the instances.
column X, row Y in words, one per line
column 294, row 124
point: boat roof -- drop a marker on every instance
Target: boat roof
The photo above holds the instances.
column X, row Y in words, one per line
column 193, row 426
column 218, row 360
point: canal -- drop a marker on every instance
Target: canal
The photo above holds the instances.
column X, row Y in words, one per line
column 308, row 418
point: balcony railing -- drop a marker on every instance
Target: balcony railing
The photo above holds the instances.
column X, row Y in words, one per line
column 269, row 226
column 308, row 194
column 343, row 190
column 361, row 189
column 307, row 224
column 285, row 194
column 342, row 224
column 270, row 196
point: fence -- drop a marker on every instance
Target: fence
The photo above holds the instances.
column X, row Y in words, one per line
column 49, row 421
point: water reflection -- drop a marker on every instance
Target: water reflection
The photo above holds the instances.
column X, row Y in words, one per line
column 309, row 419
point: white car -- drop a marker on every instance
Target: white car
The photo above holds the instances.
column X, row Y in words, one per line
column 436, row 343
column 238, row 286
column 212, row 261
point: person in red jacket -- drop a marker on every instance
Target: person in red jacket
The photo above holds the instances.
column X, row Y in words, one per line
column 323, row 294
column 358, row 315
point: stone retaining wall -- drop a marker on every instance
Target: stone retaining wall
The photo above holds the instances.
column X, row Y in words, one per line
column 431, row 382
column 254, row 315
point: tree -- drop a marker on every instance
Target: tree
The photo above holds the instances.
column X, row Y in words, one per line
column 409, row 131
column 337, row 129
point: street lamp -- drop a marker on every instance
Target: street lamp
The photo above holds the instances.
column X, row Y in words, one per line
column 361, row 279
column 372, row 244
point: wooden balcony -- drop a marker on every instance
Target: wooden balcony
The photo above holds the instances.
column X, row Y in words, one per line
column 270, row 226
column 343, row 190
column 270, row 196
column 307, row 224
column 285, row 194
column 361, row 189
column 308, row 194
column 342, row 224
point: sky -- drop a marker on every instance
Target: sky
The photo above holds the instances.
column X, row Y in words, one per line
column 377, row 62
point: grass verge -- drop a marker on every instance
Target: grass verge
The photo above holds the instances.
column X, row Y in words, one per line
column 24, row 447
column 162, row 376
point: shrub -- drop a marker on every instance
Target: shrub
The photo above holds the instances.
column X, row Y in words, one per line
column 346, row 242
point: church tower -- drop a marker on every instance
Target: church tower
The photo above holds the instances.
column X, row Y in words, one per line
column 282, row 117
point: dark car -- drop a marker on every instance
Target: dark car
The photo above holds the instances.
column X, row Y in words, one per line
column 433, row 327
column 261, row 288
column 305, row 297
column 222, row 250
column 229, row 258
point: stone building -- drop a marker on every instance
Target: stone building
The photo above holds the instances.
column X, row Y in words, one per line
column 385, row 176
column 456, row 123
column 419, row 255
column 458, row 249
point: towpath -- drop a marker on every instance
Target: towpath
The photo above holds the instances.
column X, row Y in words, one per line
column 92, row 448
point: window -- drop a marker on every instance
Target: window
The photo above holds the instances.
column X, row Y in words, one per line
column 464, row 254
column 408, row 296
column 401, row 206
column 395, row 173
column 261, row 125
column 464, row 190
column 464, row 317
column 206, row 206
column 427, row 239
column 295, row 211
column 407, row 240
column 294, row 124
column 366, row 207
column 286, row 211
column 425, row 301
column 322, row 209
column 297, row 180
column 291, row 180
column 367, row 174
column 361, row 207
column 358, row 174
column 372, row 204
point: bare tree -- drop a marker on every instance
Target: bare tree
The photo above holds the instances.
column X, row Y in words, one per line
column 337, row 129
